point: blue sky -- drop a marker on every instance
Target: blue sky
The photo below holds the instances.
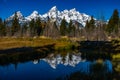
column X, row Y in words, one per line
column 90, row 7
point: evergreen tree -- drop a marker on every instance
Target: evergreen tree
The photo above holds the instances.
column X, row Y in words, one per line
column 38, row 27
column 32, row 28
column 77, row 27
column 73, row 30
column 51, row 29
column 63, row 27
column 89, row 28
column 47, row 28
column 2, row 28
column 24, row 29
column 70, row 29
column 15, row 26
column 0, row 21
column 54, row 30
column 92, row 24
column 113, row 22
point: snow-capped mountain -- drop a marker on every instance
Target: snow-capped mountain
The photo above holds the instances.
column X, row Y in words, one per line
column 55, row 15
column 75, row 16
column 20, row 17
column 34, row 15
column 52, row 14
column 67, row 14
column 68, row 60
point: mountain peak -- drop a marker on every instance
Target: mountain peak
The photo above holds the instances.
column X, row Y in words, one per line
column 74, row 9
column 54, row 8
column 55, row 15
column 19, row 16
column 18, row 12
column 35, row 13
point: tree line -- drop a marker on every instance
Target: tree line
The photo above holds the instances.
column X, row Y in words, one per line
column 93, row 30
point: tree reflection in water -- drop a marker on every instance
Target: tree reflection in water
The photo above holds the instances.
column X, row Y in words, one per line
column 97, row 67
column 97, row 70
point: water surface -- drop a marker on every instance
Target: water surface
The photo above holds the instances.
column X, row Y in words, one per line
column 55, row 66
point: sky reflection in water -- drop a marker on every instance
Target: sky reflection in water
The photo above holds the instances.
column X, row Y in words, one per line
column 49, row 68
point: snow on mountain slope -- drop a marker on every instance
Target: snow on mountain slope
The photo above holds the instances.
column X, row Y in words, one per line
column 34, row 15
column 72, row 61
column 55, row 15
column 72, row 14
column 20, row 17
column 75, row 16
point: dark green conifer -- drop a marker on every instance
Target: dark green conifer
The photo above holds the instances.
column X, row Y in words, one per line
column 113, row 22
column 38, row 26
column 63, row 27
column 2, row 28
column 15, row 25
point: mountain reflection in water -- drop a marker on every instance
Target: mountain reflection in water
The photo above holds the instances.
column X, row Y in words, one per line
column 54, row 66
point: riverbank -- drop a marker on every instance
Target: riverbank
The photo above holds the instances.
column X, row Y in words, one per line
column 59, row 44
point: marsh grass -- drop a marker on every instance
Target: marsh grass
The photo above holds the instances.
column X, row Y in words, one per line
column 7, row 43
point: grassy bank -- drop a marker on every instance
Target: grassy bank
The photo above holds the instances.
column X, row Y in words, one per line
column 60, row 44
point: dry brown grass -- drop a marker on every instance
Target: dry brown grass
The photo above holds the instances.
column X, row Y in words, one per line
column 6, row 43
